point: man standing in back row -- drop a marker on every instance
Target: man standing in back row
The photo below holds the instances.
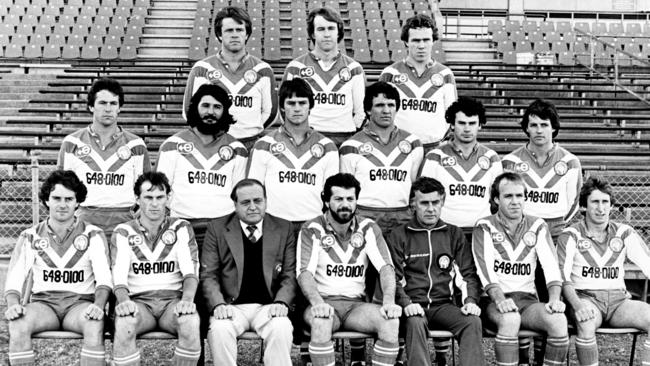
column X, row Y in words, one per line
column 337, row 80
column 248, row 80
column 426, row 87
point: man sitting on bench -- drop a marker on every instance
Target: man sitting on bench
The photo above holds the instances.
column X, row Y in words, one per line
column 155, row 268
column 592, row 254
column 68, row 259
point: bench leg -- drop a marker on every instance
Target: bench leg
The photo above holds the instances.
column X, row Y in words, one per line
column 453, row 352
column 633, row 349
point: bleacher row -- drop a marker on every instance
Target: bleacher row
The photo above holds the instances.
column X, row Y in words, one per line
column 566, row 40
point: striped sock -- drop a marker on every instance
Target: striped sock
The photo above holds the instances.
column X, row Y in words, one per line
column 539, row 350
column 304, row 354
column 441, row 345
column 322, row 354
column 384, row 353
column 186, row 357
column 128, row 360
column 22, row 358
column 357, row 349
column 93, row 356
column 587, row 351
column 556, row 349
column 524, row 350
column 505, row 350
column 400, row 353
column 645, row 353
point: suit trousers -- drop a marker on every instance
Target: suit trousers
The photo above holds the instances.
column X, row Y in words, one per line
column 276, row 332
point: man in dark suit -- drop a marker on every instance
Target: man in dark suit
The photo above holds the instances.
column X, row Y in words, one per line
column 240, row 295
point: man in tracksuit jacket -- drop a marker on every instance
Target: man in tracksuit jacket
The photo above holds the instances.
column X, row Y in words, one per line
column 429, row 255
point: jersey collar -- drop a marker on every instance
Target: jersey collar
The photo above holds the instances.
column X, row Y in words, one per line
column 284, row 132
column 375, row 136
column 459, row 151
column 415, row 225
column 225, row 64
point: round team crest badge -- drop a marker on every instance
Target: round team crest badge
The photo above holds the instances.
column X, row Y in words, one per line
column 124, row 153
column 80, row 242
column 226, row 153
column 307, row 72
column 498, row 237
column 522, row 167
column 584, row 244
column 356, row 240
column 41, row 244
column 185, row 147
column 327, row 241
column 277, row 148
column 401, row 79
column 449, row 161
column 616, row 244
column 444, row 261
column 344, row 74
column 560, row 168
column 530, row 238
column 135, row 240
column 484, row 162
column 405, row 147
column 365, row 149
column 168, row 237
column 437, row 80
column 317, row 150
column 250, row 76
column 214, row 75
column 82, row 150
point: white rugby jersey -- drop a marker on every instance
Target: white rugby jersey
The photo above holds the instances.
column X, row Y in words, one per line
column 294, row 175
column 385, row 171
column 251, row 88
column 508, row 260
column 590, row 265
column 201, row 176
column 424, row 99
column 467, row 181
column 338, row 91
column 76, row 263
column 553, row 187
column 339, row 267
column 142, row 263
column 108, row 172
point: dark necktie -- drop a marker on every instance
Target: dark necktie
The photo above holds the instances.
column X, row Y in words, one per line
column 251, row 233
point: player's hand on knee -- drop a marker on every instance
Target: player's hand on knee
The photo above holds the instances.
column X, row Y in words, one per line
column 413, row 310
column 94, row 312
column 14, row 312
column 506, row 306
column 223, row 312
column 391, row 311
column 184, row 308
column 322, row 310
column 126, row 308
column 555, row 306
column 584, row 313
column 278, row 310
column 470, row 309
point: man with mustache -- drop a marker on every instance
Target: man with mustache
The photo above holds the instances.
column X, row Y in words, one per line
column 334, row 253
column 203, row 162
column 248, row 80
column 106, row 158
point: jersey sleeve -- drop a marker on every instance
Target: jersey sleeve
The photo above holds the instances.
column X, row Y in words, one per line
column 146, row 161
column 239, row 170
column 574, row 182
column 257, row 162
column 187, row 252
column 466, row 279
column 358, row 93
column 483, row 250
column 22, row 260
column 637, row 251
column 120, row 257
column 547, row 255
column 418, row 156
column 376, row 247
column 449, row 90
column 194, row 81
column 98, row 248
column 566, row 251
column 348, row 158
column 306, row 251
column 396, row 248
column 269, row 96
column 167, row 160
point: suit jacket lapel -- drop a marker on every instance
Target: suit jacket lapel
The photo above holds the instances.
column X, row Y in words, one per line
column 271, row 241
column 236, row 244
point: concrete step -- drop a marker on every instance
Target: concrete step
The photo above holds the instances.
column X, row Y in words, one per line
column 477, row 54
column 172, row 12
column 170, row 21
column 165, row 41
column 178, row 4
column 164, row 30
column 162, row 52
column 465, row 44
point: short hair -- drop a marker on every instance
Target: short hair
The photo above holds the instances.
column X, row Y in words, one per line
column 157, row 179
column 419, row 21
column 109, row 84
column 426, row 185
column 494, row 189
column 217, row 93
column 380, row 87
column 246, row 182
column 330, row 15
column 544, row 110
column 470, row 106
column 238, row 14
column 297, row 87
column 343, row 180
column 66, row 178
column 595, row 184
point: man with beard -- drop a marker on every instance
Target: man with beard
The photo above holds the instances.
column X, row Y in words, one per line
column 106, row 158
column 334, row 252
column 203, row 162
